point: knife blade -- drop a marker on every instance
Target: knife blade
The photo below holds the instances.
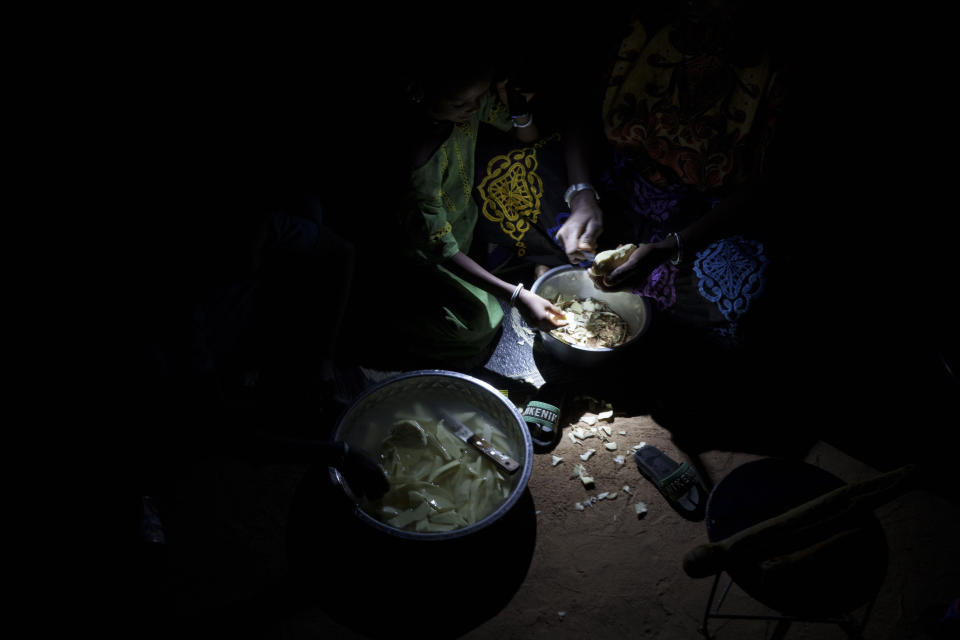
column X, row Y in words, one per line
column 462, row 431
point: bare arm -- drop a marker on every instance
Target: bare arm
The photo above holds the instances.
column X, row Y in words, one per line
column 725, row 218
column 524, row 129
column 585, row 224
column 537, row 311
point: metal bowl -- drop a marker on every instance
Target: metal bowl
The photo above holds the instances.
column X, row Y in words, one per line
column 572, row 281
column 429, row 386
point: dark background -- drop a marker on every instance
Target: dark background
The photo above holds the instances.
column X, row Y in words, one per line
column 236, row 113
column 223, row 117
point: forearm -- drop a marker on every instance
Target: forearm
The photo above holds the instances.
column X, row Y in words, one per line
column 727, row 217
column 525, row 129
column 579, row 150
column 580, row 231
column 468, row 269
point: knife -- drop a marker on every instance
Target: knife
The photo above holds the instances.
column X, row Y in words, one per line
column 587, row 255
column 463, row 432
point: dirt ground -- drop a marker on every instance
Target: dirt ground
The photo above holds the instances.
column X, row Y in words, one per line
column 604, row 573
column 265, row 548
column 257, row 568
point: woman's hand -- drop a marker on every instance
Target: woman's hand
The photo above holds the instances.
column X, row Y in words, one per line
column 581, row 230
column 525, row 129
column 514, row 99
column 637, row 267
column 538, row 312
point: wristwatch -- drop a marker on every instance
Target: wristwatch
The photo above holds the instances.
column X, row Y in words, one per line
column 577, row 188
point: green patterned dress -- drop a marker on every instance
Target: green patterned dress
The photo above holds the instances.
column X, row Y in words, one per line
column 447, row 318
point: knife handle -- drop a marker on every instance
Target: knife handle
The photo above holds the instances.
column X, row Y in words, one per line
column 502, row 460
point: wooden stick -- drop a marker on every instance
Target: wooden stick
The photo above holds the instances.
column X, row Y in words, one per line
column 814, row 518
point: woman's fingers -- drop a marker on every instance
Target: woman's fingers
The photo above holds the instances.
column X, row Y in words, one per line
column 556, row 316
column 588, row 239
column 567, row 239
column 544, row 314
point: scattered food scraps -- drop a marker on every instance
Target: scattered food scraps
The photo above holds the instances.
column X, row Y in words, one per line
column 580, row 472
column 556, row 460
column 586, row 454
column 640, row 508
column 618, row 459
column 612, row 446
column 590, row 420
column 590, row 323
column 583, row 434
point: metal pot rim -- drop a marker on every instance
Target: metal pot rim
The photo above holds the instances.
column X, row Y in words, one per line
column 548, row 338
column 524, row 472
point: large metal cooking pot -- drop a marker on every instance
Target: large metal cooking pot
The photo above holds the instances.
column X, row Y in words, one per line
column 572, row 281
column 426, row 387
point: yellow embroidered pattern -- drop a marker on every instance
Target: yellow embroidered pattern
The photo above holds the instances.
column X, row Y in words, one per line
column 437, row 235
column 511, row 192
column 443, row 199
column 496, row 109
column 465, row 182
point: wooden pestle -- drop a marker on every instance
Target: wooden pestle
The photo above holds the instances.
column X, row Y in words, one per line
column 772, row 537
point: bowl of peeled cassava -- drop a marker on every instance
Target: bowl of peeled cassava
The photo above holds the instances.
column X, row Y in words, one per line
column 601, row 325
column 456, row 452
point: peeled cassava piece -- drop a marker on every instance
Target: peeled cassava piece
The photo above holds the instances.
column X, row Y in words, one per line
column 590, row 323
column 607, row 261
column 437, row 482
